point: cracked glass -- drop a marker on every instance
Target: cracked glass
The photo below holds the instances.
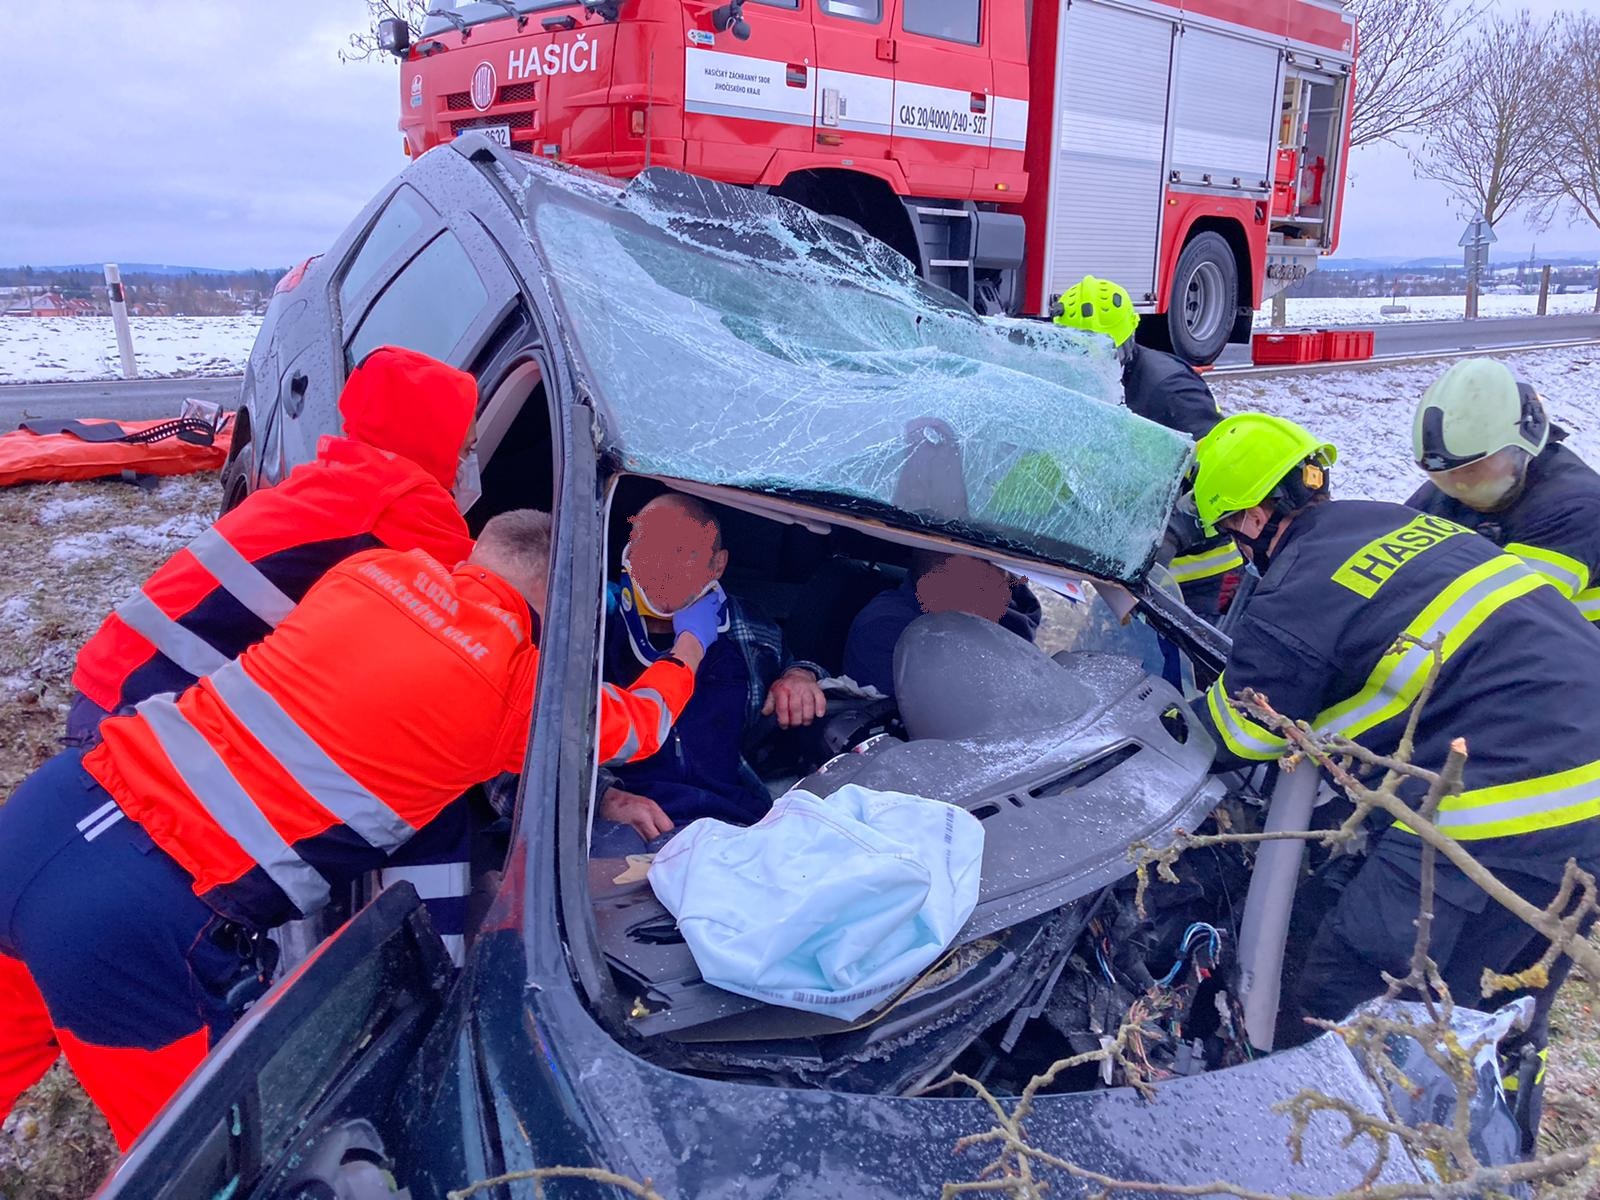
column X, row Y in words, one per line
column 733, row 339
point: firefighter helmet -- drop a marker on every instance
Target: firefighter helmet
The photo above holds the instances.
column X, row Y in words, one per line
column 1474, row 409
column 1245, row 458
column 1099, row 306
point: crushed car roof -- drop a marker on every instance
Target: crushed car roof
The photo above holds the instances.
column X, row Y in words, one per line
column 730, row 338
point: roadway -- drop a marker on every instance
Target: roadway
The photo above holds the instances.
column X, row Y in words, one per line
column 147, row 399
column 1404, row 339
column 119, row 399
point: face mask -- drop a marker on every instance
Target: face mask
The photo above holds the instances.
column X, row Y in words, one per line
column 468, row 489
column 646, row 608
column 1258, row 547
column 1485, row 491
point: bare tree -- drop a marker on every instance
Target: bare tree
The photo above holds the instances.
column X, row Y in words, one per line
column 1491, row 143
column 364, row 45
column 1571, row 178
column 1406, row 70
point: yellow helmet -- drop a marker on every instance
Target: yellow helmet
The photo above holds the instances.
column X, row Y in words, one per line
column 1099, row 306
column 1245, row 457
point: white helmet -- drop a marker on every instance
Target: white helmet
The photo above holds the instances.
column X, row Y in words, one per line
column 1474, row 409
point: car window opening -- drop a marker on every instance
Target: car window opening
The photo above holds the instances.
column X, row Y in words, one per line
column 1063, row 748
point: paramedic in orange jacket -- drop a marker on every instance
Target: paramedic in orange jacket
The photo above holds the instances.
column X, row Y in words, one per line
column 133, row 877
column 388, row 481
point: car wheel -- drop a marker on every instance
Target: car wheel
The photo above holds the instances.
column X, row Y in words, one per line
column 1205, row 294
column 236, row 476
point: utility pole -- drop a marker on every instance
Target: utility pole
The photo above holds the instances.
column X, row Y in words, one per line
column 1544, row 291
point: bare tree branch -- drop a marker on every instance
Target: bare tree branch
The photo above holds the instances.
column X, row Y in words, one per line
column 364, row 45
column 1570, row 182
column 1408, row 53
column 1491, row 144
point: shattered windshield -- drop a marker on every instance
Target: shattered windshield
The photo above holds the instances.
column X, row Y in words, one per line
column 735, row 339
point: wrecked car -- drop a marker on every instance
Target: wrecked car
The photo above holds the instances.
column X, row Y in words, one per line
column 838, row 414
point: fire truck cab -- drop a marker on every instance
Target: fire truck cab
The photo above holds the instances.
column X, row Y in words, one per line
column 1191, row 150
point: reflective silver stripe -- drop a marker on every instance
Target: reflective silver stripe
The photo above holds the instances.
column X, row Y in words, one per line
column 207, row 776
column 1589, row 603
column 1242, row 735
column 90, row 834
column 664, row 721
column 1451, row 819
column 189, row 650
column 241, row 578
column 1415, row 660
column 1190, row 567
column 327, row 782
column 98, row 814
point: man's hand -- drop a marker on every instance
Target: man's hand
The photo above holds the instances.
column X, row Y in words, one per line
column 643, row 813
column 796, row 698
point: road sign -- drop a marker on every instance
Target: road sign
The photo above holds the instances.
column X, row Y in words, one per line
column 1478, row 232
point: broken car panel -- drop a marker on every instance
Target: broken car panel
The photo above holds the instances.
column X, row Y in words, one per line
column 696, row 337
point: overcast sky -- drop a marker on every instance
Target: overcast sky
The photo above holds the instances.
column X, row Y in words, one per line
column 224, row 134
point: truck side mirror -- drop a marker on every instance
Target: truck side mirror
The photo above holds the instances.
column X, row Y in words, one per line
column 731, row 15
column 394, row 36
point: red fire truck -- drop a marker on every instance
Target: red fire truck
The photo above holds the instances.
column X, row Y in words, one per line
column 1192, row 150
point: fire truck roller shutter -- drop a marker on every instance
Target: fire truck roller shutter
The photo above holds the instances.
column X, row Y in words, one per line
column 1107, row 188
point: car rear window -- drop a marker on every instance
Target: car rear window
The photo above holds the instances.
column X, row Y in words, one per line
column 427, row 307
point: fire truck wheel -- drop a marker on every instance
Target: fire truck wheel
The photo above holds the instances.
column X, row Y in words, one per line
column 1205, row 293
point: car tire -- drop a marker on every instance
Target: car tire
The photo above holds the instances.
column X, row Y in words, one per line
column 1202, row 303
column 236, row 476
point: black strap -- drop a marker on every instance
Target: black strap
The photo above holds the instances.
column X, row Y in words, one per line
column 186, row 429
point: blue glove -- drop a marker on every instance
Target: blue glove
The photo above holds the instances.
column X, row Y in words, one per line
column 702, row 618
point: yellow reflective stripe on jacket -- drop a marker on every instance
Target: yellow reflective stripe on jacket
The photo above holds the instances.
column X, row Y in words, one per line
column 1527, row 806
column 1242, row 736
column 1187, row 568
column 1588, row 603
column 1457, row 612
column 1568, row 574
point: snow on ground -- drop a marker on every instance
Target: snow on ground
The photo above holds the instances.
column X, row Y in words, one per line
column 59, row 349
column 1365, row 310
column 1367, row 413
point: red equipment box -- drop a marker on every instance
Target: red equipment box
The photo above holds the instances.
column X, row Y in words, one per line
column 1347, row 345
column 1287, row 346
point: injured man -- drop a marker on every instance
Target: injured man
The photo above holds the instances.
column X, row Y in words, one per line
column 675, row 557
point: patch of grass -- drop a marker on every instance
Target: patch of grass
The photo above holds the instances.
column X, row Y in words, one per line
column 72, row 552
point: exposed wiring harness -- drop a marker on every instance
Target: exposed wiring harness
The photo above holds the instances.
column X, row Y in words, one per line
column 1205, row 960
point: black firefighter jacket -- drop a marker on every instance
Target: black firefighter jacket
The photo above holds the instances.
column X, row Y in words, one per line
column 1520, row 677
column 1554, row 525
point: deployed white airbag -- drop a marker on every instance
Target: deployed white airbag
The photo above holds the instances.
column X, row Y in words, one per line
column 831, row 905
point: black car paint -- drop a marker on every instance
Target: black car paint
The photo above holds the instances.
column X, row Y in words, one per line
column 521, row 1067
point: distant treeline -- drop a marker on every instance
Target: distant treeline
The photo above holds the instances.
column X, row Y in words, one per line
column 191, row 294
column 1438, row 281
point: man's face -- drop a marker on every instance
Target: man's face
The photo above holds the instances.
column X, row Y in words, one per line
column 1487, row 485
column 1243, row 526
column 672, row 556
column 969, row 585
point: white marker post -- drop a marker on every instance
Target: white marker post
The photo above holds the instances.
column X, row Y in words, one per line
column 119, row 318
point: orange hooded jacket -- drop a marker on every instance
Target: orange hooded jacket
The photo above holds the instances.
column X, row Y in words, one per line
column 394, row 687
column 386, row 482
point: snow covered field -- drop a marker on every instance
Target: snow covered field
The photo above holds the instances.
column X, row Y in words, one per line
column 1364, row 310
column 59, row 349
column 1367, row 413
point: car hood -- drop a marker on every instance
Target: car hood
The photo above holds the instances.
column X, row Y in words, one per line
column 707, row 1138
column 730, row 338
